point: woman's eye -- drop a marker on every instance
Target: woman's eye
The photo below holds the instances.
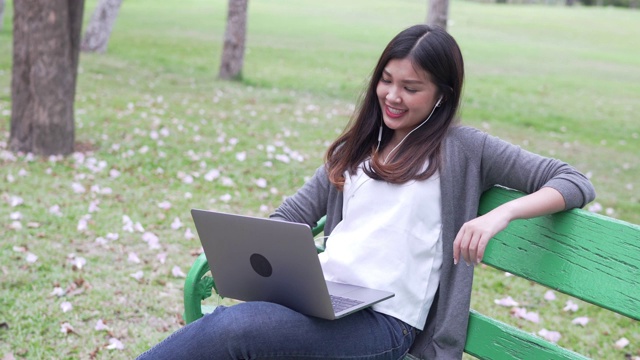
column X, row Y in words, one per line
column 386, row 81
column 411, row 90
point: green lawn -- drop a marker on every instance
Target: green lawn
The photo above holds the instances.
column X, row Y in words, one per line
column 160, row 129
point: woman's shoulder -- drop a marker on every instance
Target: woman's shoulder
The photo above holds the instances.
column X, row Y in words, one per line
column 466, row 135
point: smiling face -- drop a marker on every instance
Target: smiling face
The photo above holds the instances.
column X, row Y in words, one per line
column 406, row 97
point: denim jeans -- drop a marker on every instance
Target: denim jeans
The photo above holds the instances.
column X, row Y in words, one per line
column 263, row 330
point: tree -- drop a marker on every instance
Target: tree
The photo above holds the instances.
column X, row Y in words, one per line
column 96, row 37
column 1, row 14
column 438, row 13
column 46, row 46
column 234, row 40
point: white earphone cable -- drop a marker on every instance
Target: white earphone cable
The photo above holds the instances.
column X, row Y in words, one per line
column 405, row 137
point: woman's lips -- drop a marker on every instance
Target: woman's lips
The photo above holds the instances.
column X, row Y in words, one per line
column 393, row 112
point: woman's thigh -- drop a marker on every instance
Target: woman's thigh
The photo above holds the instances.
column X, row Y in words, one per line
column 262, row 330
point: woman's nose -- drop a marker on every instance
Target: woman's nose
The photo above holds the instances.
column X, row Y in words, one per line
column 393, row 96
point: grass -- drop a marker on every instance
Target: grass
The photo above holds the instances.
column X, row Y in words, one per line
column 559, row 81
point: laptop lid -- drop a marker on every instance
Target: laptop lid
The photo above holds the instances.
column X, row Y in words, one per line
column 258, row 259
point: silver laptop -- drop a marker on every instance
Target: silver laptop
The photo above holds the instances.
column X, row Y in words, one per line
column 257, row 259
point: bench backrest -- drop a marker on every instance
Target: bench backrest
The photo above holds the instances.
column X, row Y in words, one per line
column 588, row 256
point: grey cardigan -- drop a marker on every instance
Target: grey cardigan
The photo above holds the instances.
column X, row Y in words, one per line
column 473, row 162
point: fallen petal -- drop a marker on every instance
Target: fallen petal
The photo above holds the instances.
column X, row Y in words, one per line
column 101, row 326
column 138, row 275
column 176, row 224
column 549, row 295
column 133, row 257
column 552, row 336
column 66, row 306
column 162, row 257
column 115, row 344
column 583, row 320
column 31, row 258
column 570, row 306
column 508, row 301
column 66, row 328
column 621, row 343
column 177, row 272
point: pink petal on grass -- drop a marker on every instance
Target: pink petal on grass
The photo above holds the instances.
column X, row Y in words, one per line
column 58, row 291
column 549, row 295
column 151, row 239
column 522, row 313
column 176, row 224
column 212, row 175
column 188, row 234
column 66, row 328
column 552, row 336
column 623, row 342
column 507, row 301
column 570, row 306
column 133, row 257
column 101, row 326
column 164, row 205
column 261, row 183
column 55, row 210
column 31, row 258
column 15, row 201
column 66, row 306
column 177, row 272
column 138, row 275
column 582, row 321
column 162, row 257
column 532, row 316
column 115, row 344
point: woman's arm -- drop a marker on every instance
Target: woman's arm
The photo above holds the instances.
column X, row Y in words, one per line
column 309, row 203
column 473, row 237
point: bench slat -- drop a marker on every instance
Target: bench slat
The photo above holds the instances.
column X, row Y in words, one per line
column 491, row 339
column 585, row 255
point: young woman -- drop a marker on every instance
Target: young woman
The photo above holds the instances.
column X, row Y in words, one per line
column 400, row 189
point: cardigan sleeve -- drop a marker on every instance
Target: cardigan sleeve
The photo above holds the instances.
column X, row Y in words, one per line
column 509, row 165
column 309, row 203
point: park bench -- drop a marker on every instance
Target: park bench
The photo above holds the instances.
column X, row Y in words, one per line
column 588, row 256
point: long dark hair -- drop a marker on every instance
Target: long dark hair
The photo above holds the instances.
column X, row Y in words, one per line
column 430, row 49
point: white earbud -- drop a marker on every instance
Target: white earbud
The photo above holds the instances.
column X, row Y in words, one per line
column 438, row 102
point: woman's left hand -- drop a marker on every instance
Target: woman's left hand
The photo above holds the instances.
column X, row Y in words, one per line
column 474, row 235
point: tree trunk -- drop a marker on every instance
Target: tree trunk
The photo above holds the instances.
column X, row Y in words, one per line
column 234, row 39
column 438, row 13
column 1, row 14
column 46, row 44
column 96, row 37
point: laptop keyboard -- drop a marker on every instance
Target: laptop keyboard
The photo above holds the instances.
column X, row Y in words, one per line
column 341, row 303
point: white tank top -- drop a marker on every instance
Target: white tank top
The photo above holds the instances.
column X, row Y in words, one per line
column 390, row 239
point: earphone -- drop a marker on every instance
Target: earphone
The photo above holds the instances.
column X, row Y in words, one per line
column 414, row 129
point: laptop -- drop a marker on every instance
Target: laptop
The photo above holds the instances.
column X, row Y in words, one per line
column 258, row 259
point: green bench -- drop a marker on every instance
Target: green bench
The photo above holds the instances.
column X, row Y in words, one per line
column 588, row 256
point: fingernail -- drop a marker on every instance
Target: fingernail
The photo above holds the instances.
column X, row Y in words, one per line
column 455, row 262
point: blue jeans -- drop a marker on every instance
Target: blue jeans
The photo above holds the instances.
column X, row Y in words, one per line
column 262, row 330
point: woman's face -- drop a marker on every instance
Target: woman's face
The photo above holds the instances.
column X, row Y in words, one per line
column 406, row 96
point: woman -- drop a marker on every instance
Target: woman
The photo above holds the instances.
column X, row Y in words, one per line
column 400, row 189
